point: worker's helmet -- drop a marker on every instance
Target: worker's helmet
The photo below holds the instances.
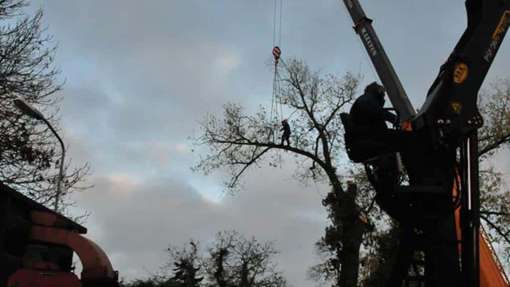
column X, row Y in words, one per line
column 284, row 121
column 376, row 89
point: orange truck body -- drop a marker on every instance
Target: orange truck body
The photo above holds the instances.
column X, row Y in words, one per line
column 491, row 271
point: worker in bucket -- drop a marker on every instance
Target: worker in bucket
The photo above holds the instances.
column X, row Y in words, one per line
column 368, row 110
column 369, row 119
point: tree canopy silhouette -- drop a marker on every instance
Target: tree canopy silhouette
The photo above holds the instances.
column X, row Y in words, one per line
column 29, row 152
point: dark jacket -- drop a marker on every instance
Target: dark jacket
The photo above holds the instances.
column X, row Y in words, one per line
column 285, row 128
column 368, row 113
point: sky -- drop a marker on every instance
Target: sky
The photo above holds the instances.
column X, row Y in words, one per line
column 140, row 75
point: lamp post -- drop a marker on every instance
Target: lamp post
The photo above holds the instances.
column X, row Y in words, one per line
column 34, row 113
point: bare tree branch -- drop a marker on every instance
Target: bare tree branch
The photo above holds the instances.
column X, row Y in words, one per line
column 496, row 228
column 29, row 153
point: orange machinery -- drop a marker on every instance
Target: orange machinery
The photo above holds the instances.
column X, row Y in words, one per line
column 491, row 271
column 37, row 247
column 444, row 153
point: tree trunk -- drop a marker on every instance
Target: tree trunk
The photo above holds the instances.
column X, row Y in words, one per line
column 244, row 274
column 353, row 227
column 219, row 273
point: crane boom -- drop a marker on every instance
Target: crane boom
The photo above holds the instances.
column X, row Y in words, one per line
column 447, row 154
column 381, row 62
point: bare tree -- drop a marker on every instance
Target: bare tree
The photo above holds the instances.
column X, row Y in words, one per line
column 240, row 141
column 29, row 153
column 494, row 140
column 237, row 261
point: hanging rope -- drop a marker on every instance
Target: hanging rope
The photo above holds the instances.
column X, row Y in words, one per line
column 276, row 113
column 277, row 22
column 275, row 102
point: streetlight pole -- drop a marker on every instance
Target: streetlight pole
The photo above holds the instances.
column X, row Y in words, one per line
column 34, row 113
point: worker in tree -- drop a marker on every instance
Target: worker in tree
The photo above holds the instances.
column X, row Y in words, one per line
column 286, row 132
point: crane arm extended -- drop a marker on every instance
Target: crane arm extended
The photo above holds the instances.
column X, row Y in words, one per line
column 450, row 119
column 452, row 100
column 381, row 62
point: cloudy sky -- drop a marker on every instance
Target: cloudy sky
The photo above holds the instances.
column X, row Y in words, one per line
column 141, row 74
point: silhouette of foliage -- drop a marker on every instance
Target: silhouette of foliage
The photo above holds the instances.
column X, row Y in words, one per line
column 29, row 153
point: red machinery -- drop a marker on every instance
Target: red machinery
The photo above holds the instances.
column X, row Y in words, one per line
column 37, row 246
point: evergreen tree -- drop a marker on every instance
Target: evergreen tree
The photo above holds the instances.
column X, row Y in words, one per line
column 186, row 267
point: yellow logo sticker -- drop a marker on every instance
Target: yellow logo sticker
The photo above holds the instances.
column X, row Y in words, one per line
column 504, row 22
column 460, row 73
column 497, row 36
column 456, row 107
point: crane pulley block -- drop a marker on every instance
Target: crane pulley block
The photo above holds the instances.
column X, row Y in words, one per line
column 277, row 52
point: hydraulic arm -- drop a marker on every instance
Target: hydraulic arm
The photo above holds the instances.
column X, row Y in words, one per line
column 381, row 62
column 443, row 169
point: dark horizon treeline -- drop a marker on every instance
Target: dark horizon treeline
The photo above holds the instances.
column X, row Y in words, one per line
column 230, row 260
